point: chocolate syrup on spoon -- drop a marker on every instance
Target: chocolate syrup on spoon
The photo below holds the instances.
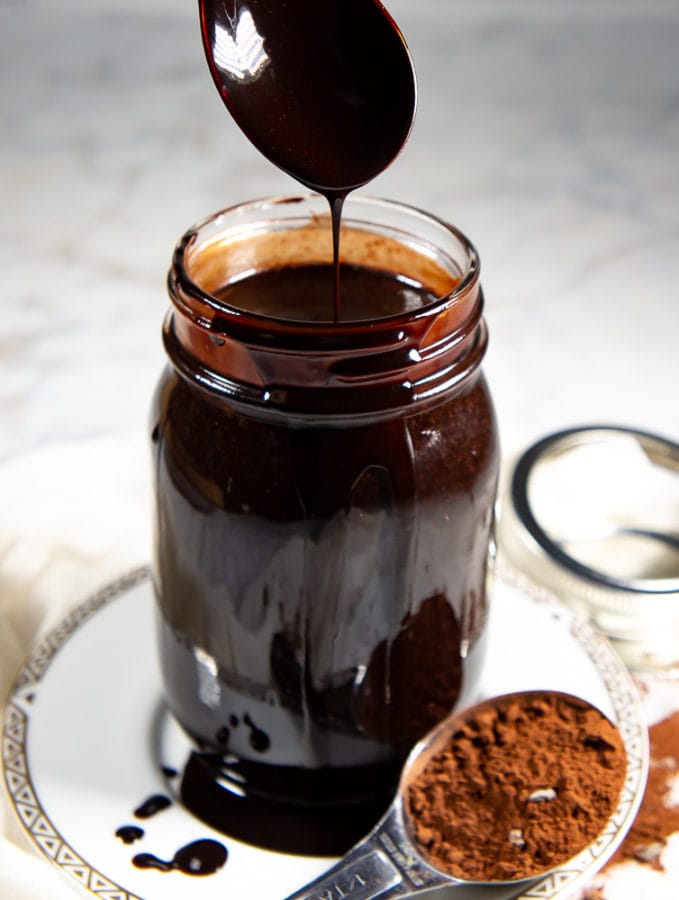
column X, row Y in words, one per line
column 325, row 90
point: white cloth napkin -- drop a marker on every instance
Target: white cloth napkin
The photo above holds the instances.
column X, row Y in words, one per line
column 72, row 518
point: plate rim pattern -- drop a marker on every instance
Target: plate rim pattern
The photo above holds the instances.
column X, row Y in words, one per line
column 18, row 781
column 51, row 844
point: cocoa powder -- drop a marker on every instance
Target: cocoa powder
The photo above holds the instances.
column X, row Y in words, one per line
column 657, row 819
column 521, row 787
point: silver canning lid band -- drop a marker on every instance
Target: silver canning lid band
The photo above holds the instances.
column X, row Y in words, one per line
column 593, row 514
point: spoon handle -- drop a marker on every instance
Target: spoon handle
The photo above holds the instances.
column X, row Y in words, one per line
column 383, row 865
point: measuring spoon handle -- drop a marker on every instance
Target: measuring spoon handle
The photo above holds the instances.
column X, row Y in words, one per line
column 381, row 866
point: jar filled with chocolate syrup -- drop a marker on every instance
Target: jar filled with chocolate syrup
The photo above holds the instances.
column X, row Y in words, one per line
column 324, row 489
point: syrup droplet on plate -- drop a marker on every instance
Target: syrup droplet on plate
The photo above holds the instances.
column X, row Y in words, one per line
column 203, row 857
column 128, row 834
column 154, row 804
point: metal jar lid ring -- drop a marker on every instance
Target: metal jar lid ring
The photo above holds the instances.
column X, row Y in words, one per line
column 592, row 513
column 658, row 451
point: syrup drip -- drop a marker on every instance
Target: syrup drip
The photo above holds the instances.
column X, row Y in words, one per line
column 324, row 90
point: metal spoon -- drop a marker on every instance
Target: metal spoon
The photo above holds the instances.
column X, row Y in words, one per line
column 325, row 90
column 387, row 863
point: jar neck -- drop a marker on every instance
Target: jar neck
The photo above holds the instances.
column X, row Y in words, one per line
column 307, row 367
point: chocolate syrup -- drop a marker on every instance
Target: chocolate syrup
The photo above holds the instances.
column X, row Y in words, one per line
column 322, row 523
column 203, row 857
column 208, row 791
column 128, row 834
column 152, row 805
column 325, row 90
column 321, row 588
column 304, row 293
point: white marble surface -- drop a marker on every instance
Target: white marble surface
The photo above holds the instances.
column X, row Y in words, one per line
column 548, row 131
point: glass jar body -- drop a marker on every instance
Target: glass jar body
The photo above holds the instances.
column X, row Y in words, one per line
column 320, row 564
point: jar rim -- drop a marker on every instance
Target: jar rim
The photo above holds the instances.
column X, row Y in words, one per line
column 188, row 286
column 378, row 363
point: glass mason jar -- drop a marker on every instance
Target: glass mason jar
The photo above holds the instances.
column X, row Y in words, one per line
column 323, row 501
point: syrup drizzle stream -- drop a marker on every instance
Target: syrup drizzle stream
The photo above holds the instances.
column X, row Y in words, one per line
column 324, row 90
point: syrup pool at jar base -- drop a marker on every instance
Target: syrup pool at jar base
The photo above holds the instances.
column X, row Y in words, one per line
column 323, row 507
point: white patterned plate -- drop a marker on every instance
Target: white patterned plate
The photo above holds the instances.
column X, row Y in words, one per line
column 81, row 733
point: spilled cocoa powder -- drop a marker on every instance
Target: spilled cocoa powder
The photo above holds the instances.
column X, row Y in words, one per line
column 657, row 819
column 522, row 786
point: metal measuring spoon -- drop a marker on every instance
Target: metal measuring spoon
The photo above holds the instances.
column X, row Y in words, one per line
column 325, row 90
column 387, row 862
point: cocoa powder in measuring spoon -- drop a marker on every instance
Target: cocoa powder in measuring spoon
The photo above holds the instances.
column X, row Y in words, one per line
column 501, row 792
column 521, row 787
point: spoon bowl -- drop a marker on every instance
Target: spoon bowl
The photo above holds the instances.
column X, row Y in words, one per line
column 390, row 862
column 325, row 90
